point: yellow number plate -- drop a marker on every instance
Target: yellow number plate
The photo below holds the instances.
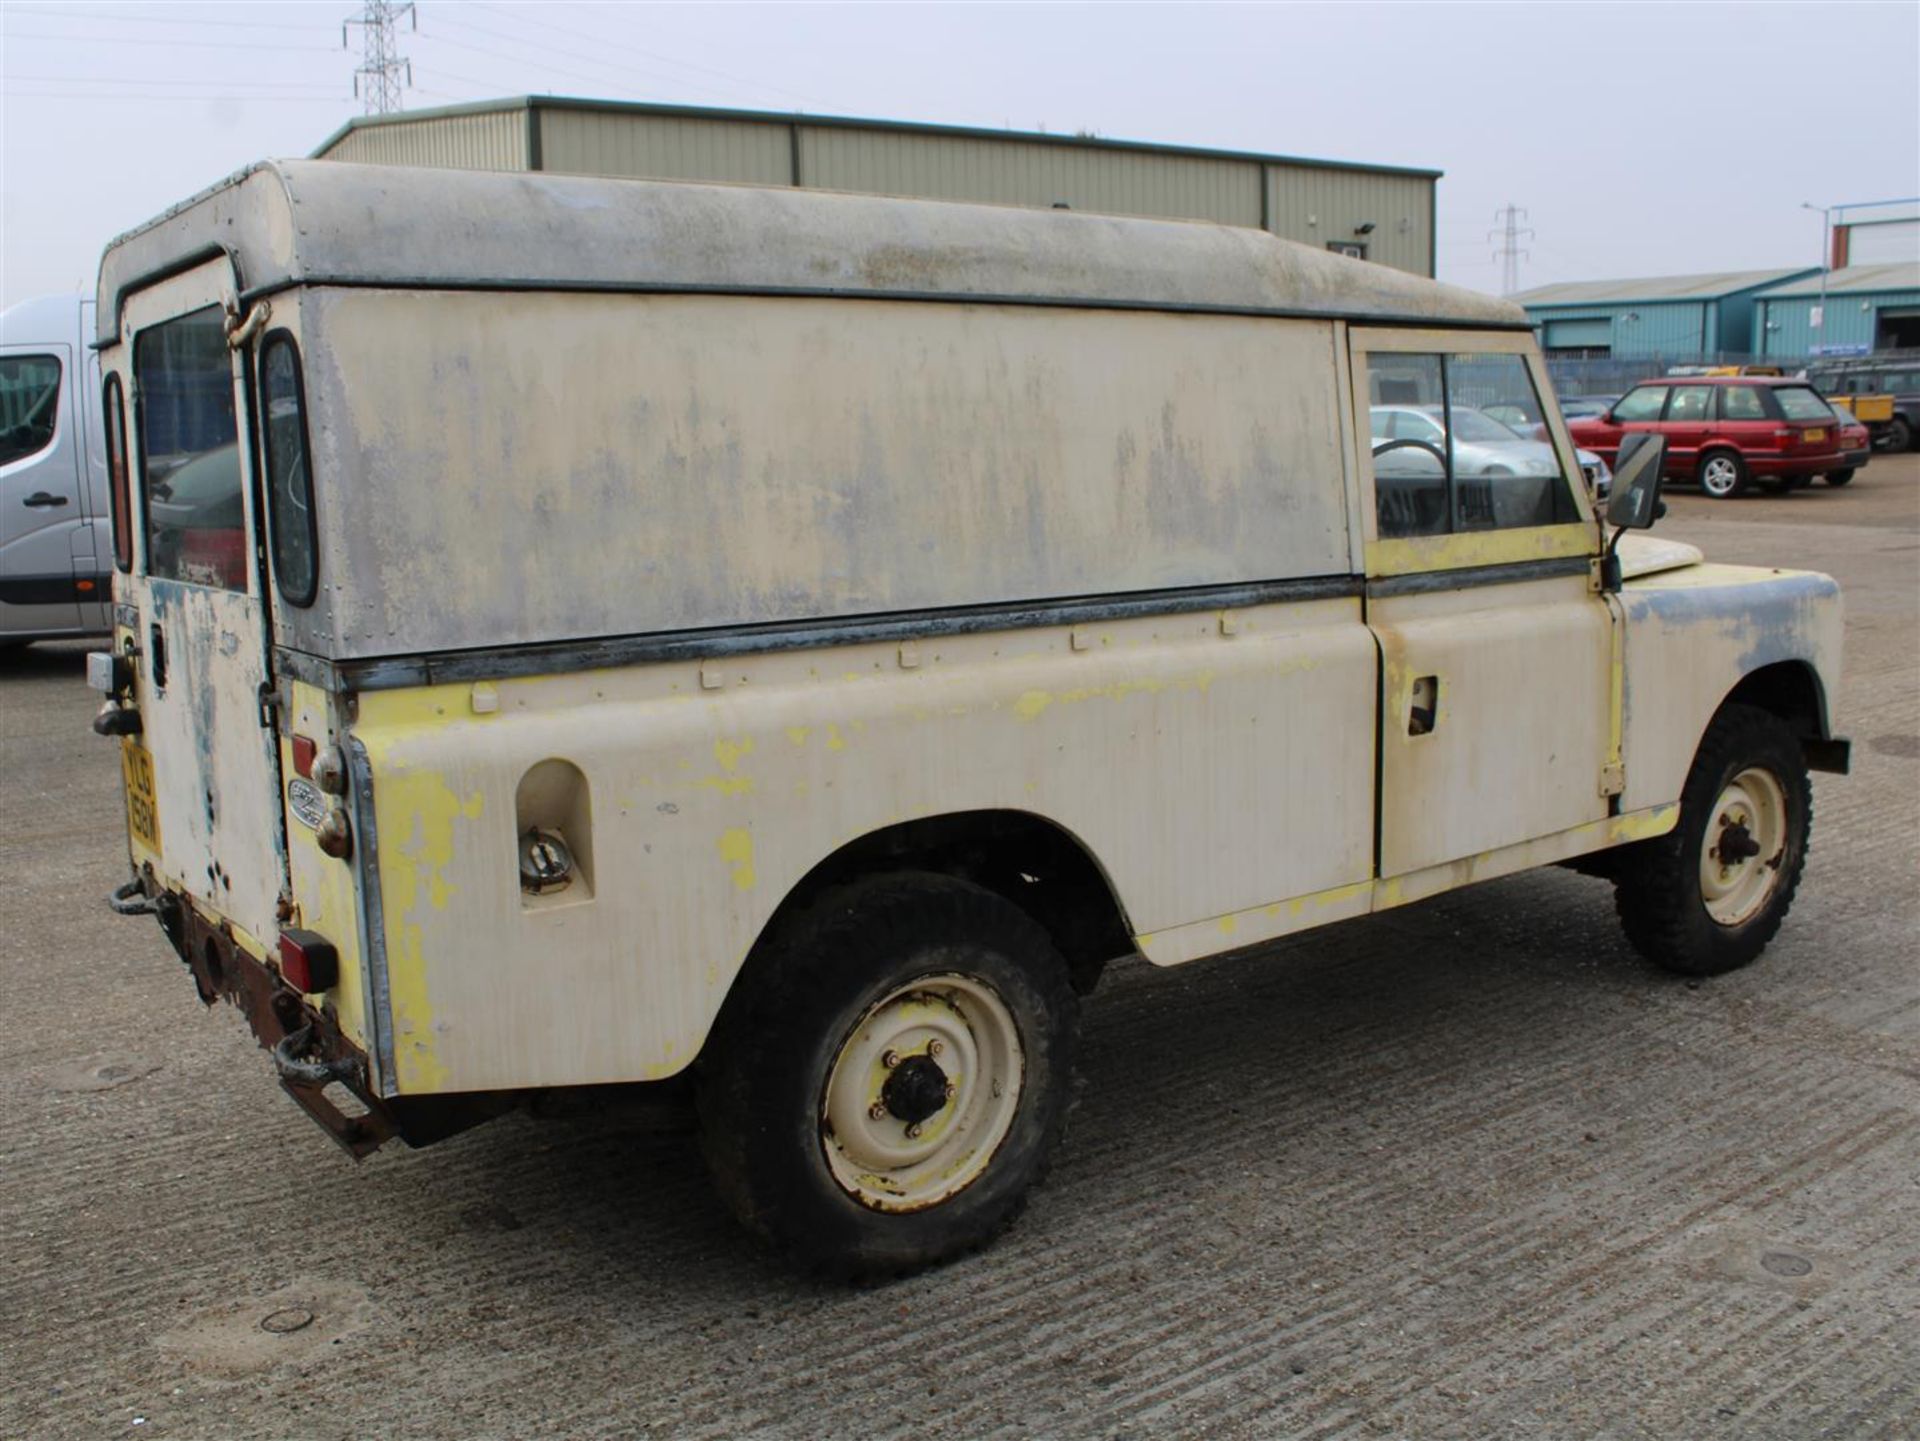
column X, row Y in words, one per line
column 143, row 816
column 1816, row 435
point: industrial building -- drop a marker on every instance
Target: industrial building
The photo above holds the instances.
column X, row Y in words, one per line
column 1676, row 316
column 1862, row 309
column 1376, row 212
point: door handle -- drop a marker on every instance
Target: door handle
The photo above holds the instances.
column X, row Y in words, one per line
column 1423, row 713
column 42, row 498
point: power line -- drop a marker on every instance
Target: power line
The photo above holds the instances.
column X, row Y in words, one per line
column 74, row 13
column 605, row 43
column 140, row 80
column 548, row 67
column 177, row 44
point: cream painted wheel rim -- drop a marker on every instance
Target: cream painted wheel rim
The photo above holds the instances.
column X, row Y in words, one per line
column 1744, row 847
column 948, row 1039
column 1719, row 476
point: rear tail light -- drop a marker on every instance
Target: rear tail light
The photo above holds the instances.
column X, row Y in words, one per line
column 303, row 753
column 308, row 961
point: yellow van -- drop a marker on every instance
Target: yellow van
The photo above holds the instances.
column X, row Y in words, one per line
column 577, row 632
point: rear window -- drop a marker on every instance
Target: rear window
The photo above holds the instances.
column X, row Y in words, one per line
column 289, row 480
column 1802, row 402
column 191, row 496
column 29, row 405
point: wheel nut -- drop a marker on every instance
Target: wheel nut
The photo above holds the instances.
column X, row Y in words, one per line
column 913, row 1132
column 877, row 1111
column 952, row 1090
column 934, row 1048
column 890, row 1059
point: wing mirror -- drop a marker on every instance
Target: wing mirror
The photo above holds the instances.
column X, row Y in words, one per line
column 1635, row 502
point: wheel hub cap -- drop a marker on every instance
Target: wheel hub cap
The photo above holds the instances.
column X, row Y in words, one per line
column 916, row 1089
column 1745, row 844
column 921, row 1093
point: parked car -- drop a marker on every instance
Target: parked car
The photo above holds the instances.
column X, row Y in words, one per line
column 55, row 544
column 1856, row 448
column 1483, row 445
column 1897, row 376
column 1724, row 431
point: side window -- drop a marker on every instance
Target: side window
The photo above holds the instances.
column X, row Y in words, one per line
column 29, row 405
column 1642, row 405
column 290, row 519
column 1691, row 403
column 1452, row 466
column 1742, row 402
column 190, row 494
column 114, row 421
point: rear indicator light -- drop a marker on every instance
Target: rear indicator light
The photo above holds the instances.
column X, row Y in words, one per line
column 308, row 961
column 303, row 753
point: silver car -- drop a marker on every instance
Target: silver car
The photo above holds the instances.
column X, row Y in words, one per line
column 1482, row 446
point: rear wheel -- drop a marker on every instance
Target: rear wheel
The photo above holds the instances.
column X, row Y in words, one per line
column 1723, row 474
column 1708, row 896
column 892, row 1077
column 1900, row 435
column 1839, row 477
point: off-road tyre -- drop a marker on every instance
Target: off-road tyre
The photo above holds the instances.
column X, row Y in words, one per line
column 1722, row 474
column 1658, row 889
column 818, row 991
column 1900, row 435
column 1839, row 477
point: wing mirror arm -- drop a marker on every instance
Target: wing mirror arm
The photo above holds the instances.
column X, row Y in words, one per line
column 1635, row 502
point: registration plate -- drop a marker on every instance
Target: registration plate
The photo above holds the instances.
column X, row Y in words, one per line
column 143, row 817
column 1813, row 435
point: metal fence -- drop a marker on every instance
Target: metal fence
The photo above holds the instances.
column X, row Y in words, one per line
column 1615, row 375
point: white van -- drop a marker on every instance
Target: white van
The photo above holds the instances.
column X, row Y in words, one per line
column 55, row 530
column 575, row 633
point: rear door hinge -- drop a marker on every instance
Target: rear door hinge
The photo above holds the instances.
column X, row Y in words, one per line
column 1613, row 779
column 269, row 701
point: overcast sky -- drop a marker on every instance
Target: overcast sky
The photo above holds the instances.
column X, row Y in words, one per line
column 1642, row 139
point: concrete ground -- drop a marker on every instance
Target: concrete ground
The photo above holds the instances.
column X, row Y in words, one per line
column 1469, row 1169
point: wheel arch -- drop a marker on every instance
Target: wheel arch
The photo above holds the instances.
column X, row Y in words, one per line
column 1034, row 862
column 1793, row 691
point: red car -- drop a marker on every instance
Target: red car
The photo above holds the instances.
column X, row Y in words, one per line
column 1724, row 431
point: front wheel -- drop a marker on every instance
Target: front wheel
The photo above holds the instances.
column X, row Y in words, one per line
column 1723, row 475
column 892, row 1077
column 1707, row 897
column 1839, row 477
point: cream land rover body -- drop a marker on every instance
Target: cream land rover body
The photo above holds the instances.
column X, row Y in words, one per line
column 752, row 541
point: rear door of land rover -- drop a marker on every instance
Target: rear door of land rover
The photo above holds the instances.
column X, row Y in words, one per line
column 203, row 776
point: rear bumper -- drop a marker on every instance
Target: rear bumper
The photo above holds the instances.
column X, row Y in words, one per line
column 311, row 1055
column 1793, row 465
column 1854, row 459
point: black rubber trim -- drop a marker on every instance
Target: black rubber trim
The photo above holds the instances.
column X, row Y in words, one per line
column 53, row 589
column 1835, row 756
column 493, row 663
column 537, row 286
column 1428, row 581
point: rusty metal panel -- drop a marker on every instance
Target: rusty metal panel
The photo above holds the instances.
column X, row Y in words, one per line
column 1022, row 172
column 483, row 140
column 831, row 457
column 1320, row 206
column 664, row 147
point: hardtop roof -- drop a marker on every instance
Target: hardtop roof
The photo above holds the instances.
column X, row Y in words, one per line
column 325, row 222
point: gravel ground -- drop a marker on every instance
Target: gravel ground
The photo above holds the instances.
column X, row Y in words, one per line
column 1468, row 1169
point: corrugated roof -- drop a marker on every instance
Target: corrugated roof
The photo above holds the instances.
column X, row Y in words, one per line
column 1649, row 289
column 852, row 122
column 1854, row 280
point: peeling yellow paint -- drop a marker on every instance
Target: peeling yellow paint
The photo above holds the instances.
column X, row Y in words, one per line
column 1032, row 704
column 1408, row 554
column 834, row 743
column 798, row 734
column 736, row 849
column 730, row 753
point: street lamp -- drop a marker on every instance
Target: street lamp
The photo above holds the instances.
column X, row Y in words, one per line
column 1826, row 232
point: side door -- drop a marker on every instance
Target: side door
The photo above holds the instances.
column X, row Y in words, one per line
column 1497, row 706
column 1686, row 424
column 207, row 759
column 41, row 451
